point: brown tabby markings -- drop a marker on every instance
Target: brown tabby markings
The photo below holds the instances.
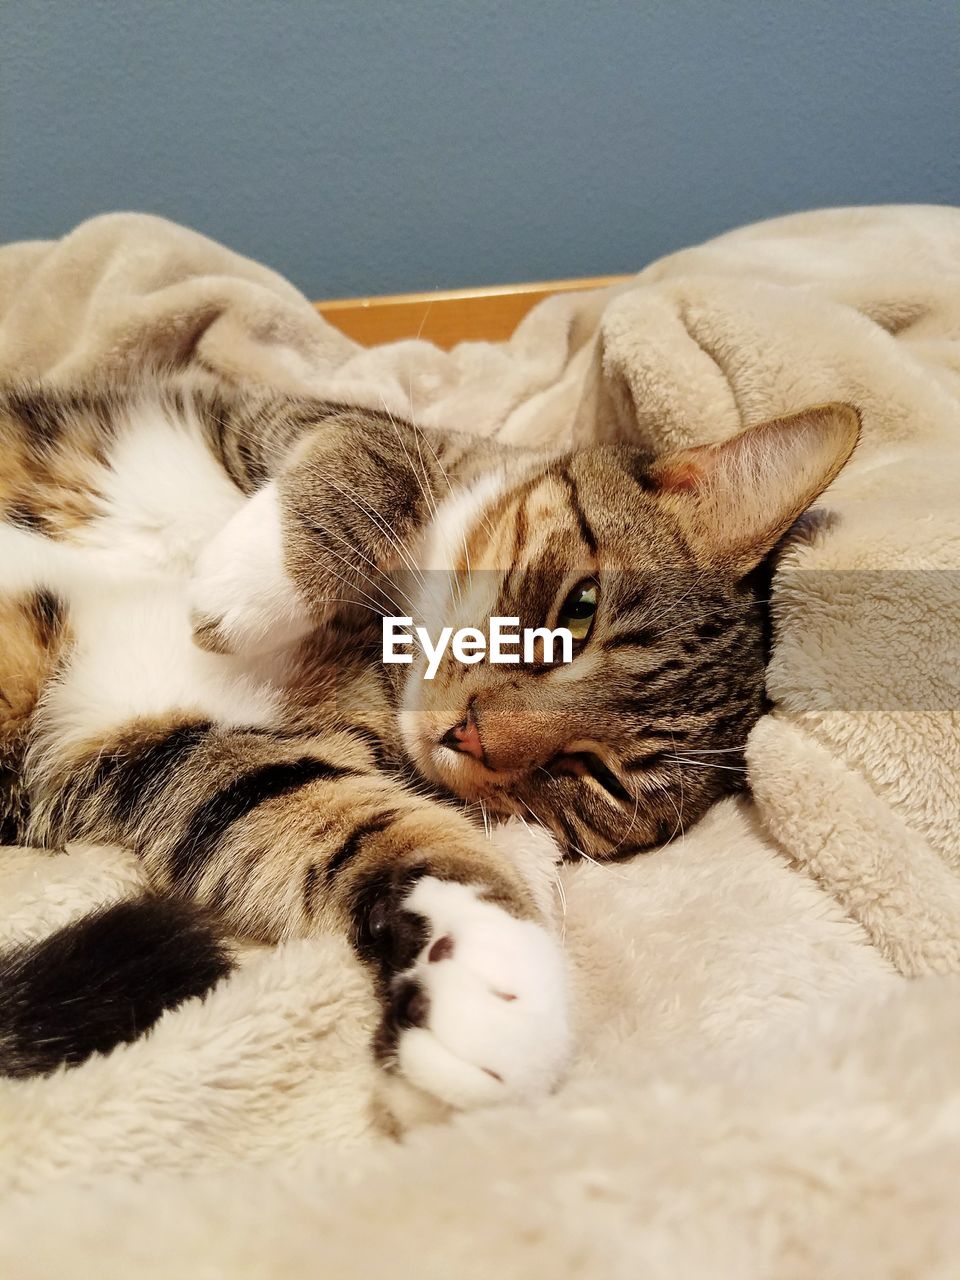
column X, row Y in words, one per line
column 32, row 633
column 32, row 627
column 49, row 463
column 319, row 819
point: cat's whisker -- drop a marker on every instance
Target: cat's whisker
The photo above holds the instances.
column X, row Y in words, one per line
column 347, row 543
column 653, row 614
column 446, row 479
column 702, row 613
column 679, row 811
column 630, row 825
column 706, row 764
column 357, row 604
column 424, row 484
column 531, row 812
column 678, row 829
column 417, row 435
column 466, row 557
column 440, row 467
column 424, row 320
column 581, row 853
column 384, row 529
column 562, row 895
column 377, row 606
column 420, row 476
column 411, row 409
column 365, row 577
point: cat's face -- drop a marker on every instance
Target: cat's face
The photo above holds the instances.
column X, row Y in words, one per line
column 648, row 566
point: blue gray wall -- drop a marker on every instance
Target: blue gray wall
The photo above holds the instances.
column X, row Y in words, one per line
column 378, row 145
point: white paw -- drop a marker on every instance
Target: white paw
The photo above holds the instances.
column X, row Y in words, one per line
column 241, row 598
column 489, row 995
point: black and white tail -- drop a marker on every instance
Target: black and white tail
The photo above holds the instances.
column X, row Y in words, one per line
column 102, row 981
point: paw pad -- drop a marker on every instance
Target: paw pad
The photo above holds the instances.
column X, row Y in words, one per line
column 490, row 1023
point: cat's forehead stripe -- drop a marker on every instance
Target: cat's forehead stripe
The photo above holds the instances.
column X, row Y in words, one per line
column 576, row 506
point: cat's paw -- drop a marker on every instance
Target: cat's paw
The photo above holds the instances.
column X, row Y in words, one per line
column 480, row 1016
column 240, row 596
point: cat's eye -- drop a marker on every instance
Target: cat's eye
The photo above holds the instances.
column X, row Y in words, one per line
column 579, row 610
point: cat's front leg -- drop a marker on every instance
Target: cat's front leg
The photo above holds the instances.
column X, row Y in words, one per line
column 292, row 836
column 333, row 529
column 474, row 995
column 470, row 976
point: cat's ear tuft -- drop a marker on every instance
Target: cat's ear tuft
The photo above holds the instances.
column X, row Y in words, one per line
column 736, row 499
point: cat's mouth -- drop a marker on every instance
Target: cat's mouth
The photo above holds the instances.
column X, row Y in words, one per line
column 474, row 779
column 472, row 759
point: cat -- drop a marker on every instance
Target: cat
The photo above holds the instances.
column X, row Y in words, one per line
column 192, row 582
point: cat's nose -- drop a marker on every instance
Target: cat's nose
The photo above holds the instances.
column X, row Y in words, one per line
column 465, row 737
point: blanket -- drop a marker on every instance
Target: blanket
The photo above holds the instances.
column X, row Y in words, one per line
column 758, row 1088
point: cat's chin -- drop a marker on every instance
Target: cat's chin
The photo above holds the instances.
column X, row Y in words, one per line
column 470, row 780
column 436, row 763
column 466, row 777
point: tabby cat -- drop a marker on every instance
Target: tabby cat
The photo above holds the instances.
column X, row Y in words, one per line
column 192, row 580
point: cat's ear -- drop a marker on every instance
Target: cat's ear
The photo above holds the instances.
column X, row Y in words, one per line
column 736, row 499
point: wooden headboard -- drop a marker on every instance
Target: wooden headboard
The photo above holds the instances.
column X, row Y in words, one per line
column 447, row 317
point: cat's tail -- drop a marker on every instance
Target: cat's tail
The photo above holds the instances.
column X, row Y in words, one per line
column 102, row 981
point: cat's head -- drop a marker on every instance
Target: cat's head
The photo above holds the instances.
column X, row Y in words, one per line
column 650, row 565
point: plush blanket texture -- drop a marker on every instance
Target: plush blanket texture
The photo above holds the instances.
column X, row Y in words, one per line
column 758, row 1089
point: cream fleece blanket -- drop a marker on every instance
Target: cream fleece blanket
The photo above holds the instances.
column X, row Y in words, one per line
column 757, row 1090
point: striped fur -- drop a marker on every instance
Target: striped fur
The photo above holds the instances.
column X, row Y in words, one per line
column 191, row 582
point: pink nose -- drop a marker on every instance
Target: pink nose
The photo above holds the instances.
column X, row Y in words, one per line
column 464, row 737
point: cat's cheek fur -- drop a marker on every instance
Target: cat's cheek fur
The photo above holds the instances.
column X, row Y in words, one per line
column 492, row 1003
column 242, row 600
